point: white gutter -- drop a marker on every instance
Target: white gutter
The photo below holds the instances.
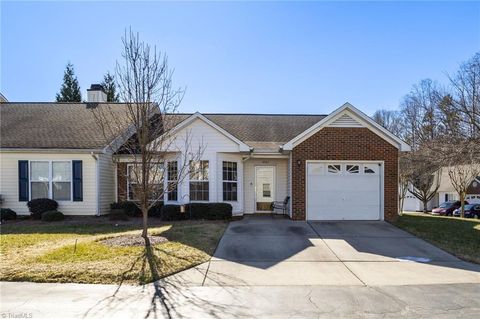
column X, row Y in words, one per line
column 97, row 184
column 51, row 150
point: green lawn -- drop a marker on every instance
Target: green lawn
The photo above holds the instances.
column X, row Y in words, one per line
column 47, row 252
column 458, row 236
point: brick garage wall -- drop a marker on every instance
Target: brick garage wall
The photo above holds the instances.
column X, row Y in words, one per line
column 121, row 181
column 335, row 143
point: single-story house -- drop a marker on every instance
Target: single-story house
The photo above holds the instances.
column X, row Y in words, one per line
column 332, row 167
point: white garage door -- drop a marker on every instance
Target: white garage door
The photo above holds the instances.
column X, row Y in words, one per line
column 343, row 191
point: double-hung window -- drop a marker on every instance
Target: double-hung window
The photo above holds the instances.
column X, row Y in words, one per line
column 230, row 181
column 51, row 179
column 155, row 184
column 199, row 186
column 172, row 180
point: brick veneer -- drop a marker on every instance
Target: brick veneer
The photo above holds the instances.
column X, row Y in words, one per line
column 335, row 143
column 121, row 181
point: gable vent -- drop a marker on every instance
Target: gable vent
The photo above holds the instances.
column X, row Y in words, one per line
column 345, row 121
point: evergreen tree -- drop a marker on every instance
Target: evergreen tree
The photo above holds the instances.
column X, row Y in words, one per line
column 70, row 90
column 110, row 88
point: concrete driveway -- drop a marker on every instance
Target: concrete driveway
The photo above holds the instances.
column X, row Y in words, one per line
column 266, row 251
column 277, row 268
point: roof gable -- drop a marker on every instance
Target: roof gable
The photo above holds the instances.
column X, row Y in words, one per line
column 198, row 116
column 348, row 116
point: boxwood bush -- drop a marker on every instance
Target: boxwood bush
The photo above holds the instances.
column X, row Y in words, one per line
column 211, row 211
column 118, row 214
column 52, row 216
column 171, row 212
column 129, row 207
column 132, row 210
column 7, row 214
column 41, row 205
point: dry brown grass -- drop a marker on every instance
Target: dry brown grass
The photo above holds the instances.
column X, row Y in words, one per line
column 47, row 253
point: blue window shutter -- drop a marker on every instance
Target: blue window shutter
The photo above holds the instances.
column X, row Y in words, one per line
column 23, row 181
column 77, row 173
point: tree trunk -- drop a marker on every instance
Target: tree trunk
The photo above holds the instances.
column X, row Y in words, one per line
column 462, row 203
column 425, row 203
column 145, row 226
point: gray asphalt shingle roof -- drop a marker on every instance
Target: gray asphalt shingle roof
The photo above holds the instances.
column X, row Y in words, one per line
column 51, row 125
column 73, row 126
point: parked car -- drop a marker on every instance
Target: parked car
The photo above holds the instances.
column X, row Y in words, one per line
column 473, row 199
column 471, row 211
column 447, row 208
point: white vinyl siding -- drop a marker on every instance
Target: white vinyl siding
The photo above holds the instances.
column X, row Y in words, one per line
column 107, row 182
column 216, row 148
column 9, row 182
column 281, row 180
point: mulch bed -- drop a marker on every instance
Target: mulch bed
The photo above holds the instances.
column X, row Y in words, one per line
column 132, row 240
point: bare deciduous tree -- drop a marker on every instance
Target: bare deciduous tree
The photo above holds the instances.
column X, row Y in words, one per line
column 419, row 111
column 391, row 120
column 145, row 126
column 424, row 175
column 463, row 169
column 404, row 173
column 466, row 95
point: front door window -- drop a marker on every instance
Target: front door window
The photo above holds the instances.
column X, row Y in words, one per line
column 264, row 187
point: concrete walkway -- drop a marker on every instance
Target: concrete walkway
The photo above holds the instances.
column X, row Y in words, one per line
column 276, row 268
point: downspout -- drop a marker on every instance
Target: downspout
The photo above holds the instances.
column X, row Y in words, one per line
column 97, row 184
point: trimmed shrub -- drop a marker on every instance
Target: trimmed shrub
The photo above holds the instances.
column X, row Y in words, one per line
column 210, row 211
column 41, row 205
column 7, row 214
column 172, row 212
column 118, row 214
column 132, row 210
column 52, row 216
column 196, row 210
column 129, row 207
column 219, row 211
column 156, row 210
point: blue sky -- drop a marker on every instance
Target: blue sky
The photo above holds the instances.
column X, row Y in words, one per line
column 264, row 57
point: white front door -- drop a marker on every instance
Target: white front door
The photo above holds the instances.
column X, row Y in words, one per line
column 344, row 191
column 264, row 187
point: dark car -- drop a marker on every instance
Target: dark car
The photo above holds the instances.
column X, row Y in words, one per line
column 447, row 208
column 471, row 211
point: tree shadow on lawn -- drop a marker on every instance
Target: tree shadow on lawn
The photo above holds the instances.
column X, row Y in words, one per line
column 84, row 226
column 164, row 297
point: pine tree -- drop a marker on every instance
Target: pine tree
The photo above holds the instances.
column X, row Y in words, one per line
column 70, row 90
column 110, row 88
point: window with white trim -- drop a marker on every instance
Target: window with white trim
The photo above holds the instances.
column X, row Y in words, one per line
column 172, row 180
column 51, row 179
column 155, row 184
column 199, row 185
column 230, row 183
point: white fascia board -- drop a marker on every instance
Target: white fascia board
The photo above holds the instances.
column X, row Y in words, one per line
column 197, row 115
column 349, row 109
column 51, row 150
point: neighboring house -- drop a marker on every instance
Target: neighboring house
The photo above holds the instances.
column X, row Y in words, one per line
column 446, row 192
column 55, row 150
column 337, row 166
